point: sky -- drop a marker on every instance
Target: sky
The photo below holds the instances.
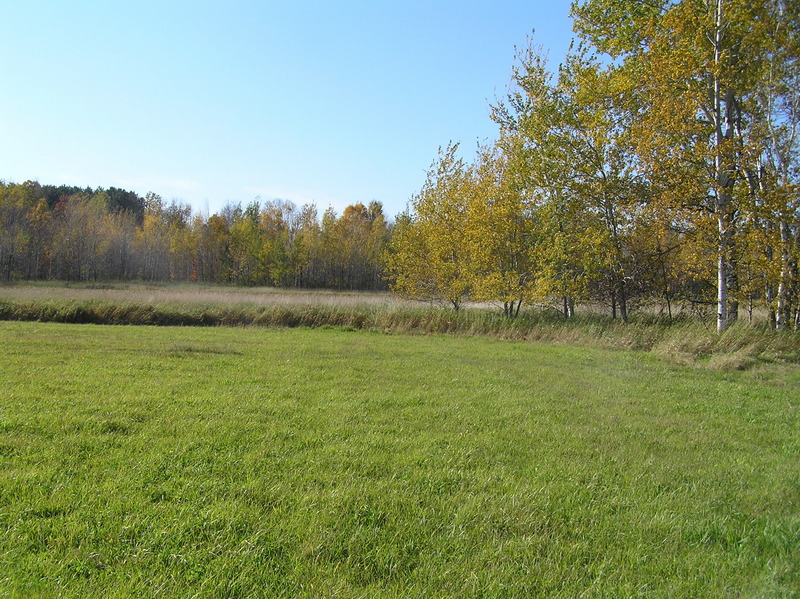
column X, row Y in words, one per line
column 217, row 102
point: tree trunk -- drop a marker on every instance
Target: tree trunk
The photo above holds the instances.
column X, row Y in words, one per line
column 613, row 303
column 769, row 298
column 732, row 282
column 722, row 276
column 7, row 270
column 725, row 120
column 569, row 307
column 623, row 300
column 781, row 315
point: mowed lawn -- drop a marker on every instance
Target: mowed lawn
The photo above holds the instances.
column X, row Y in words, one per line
column 237, row 462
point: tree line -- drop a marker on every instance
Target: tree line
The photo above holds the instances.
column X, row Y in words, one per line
column 75, row 234
column 658, row 165
column 660, row 162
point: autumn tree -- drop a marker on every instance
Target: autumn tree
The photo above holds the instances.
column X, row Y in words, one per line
column 120, row 229
column 40, row 223
column 278, row 223
column 356, row 242
column 212, row 256
column 306, row 250
column 429, row 256
column 502, row 231
column 152, row 241
column 182, row 241
column 15, row 202
column 771, row 163
column 698, row 65
column 563, row 172
column 245, row 246
column 77, row 237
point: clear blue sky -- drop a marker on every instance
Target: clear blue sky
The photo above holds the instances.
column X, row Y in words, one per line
column 208, row 102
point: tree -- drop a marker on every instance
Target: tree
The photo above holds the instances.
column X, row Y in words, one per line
column 40, row 222
column 152, row 241
column 429, row 254
column 771, row 166
column 699, row 64
column 77, row 237
column 356, row 243
column 246, row 247
column 213, row 245
column 305, row 252
column 120, row 230
column 501, row 231
column 15, row 201
column 120, row 200
column 182, row 249
column 278, row 225
column 563, row 173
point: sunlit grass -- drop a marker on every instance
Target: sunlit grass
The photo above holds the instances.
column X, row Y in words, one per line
column 682, row 340
column 144, row 461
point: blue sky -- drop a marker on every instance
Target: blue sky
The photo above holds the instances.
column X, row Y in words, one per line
column 215, row 102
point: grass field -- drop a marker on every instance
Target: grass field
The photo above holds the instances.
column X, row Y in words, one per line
column 240, row 462
column 683, row 340
column 199, row 293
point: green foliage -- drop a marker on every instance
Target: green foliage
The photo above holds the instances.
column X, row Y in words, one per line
column 177, row 462
column 715, row 97
column 658, row 163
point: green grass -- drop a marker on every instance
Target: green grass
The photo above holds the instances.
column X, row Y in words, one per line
column 681, row 341
column 239, row 462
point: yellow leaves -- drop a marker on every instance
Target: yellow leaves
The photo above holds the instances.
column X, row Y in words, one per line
column 429, row 255
column 663, row 138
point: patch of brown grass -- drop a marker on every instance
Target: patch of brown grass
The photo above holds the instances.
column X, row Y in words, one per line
column 186, row 293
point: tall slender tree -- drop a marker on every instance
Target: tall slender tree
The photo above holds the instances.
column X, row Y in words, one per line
column 698, row 64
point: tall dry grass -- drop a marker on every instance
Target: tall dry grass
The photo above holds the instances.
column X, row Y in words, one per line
column 188, row 293
column 684, row 340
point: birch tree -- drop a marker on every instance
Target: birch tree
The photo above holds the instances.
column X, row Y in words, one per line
column 501, row 232
column 772, row 165
column 698, row 64
column 563, row 153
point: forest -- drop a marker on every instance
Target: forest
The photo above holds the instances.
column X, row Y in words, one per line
column 70, row 234
column 657, row 166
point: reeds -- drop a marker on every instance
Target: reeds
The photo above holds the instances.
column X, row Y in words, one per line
column 684, row 341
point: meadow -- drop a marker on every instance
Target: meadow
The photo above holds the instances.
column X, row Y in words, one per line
column 331, row 462
column 688, row 338
column 196, row 293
